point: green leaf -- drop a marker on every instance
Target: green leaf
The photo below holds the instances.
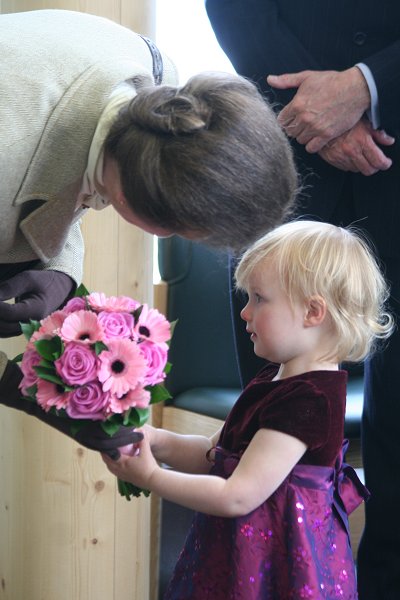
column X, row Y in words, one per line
column 109, row 427
column 76, row 425
column 17, row 358
column 51, row 375
column 172, row 327
column 136, row 313
column 28, row 329
column 123, row 489
column 159, row 393
column 99, row 347
column 61, row 412
column 117, row 419
column 131, row 418
column 50, row 349
column 128, row 490
column 167, row 368
column 81, row 291
column 136, row 417
column 31, row 392
column 143, row 414
column 48, row 364
column 126, row 419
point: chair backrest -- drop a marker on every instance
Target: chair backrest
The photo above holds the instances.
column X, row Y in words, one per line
column 202, row 349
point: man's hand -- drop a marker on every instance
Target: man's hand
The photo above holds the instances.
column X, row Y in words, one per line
column 327, row 104
column 36, row 293
column 357, row 150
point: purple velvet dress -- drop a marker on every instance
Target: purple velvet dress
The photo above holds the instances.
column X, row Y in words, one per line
column 295, row 545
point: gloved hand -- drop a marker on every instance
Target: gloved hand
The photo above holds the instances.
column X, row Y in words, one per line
column 91, row 436
column 36, row 293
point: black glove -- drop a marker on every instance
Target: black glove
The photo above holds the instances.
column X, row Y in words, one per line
column 36, row 293
column 91, row 436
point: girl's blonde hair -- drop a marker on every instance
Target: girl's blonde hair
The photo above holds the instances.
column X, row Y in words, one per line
column 314, row 258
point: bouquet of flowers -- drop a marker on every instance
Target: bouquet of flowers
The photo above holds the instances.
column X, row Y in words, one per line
column 99, row 359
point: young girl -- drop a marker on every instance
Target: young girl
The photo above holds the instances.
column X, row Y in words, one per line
column 272, row 510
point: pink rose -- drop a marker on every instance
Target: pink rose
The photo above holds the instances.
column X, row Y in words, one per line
column 77, row 365
column 88, row 402
column 156, row 357
column 74, row 304
column 116, row 324
column 30, row 359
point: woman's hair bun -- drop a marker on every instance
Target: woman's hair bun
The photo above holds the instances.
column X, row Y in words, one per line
column 170, row 110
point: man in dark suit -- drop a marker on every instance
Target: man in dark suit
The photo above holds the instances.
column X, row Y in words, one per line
column 337, row 89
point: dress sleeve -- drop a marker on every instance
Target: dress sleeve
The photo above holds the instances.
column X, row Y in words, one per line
column 301, row 410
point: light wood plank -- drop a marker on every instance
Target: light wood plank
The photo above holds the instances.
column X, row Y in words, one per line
column 184, row 422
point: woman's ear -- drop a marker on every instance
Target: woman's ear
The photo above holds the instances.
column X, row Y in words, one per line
column 316, row 311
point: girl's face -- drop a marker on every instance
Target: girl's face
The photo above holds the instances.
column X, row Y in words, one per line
column 276, row 325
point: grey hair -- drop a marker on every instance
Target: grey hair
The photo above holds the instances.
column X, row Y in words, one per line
column 208, row 157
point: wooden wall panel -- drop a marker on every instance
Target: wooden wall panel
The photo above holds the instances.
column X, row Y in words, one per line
column 65, row 533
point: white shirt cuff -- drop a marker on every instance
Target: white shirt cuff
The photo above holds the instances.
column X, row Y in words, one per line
column 373, row 112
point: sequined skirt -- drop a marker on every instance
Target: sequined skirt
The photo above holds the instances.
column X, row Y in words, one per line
column 296, row 545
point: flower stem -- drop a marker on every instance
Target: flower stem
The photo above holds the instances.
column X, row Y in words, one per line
column 128, row 490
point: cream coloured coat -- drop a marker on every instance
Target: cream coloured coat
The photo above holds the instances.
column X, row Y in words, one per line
column 57, row 70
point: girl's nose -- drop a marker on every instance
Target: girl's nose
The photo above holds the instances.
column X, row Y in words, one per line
column 244, row 313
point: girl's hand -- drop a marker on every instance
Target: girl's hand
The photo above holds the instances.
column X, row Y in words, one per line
column 138, row 468
column 150, row 433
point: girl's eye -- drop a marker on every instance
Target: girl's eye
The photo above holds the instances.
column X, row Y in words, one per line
column 258, row 298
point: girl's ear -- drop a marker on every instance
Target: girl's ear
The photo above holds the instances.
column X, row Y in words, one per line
column 315, row 311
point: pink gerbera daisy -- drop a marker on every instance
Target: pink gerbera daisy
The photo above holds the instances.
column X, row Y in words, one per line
column 50, row 394
column 99, row 301
column 137, row 397
column 122, row 367
column 152, row 325
column 82, row 326
column 49, row 327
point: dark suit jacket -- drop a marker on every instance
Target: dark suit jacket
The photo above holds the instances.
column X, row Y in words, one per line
column 264, row 37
